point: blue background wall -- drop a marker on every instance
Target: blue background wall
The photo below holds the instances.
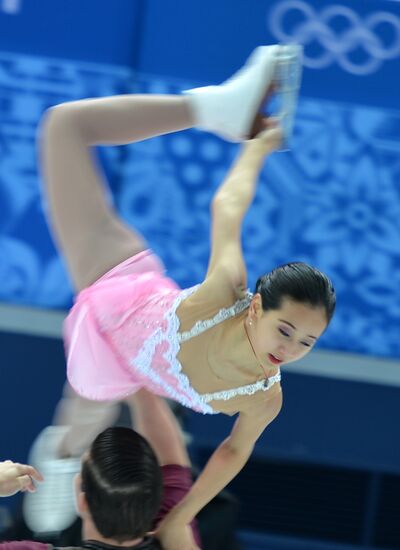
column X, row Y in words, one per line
column 333, row 201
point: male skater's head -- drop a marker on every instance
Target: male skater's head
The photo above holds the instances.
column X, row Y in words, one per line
column 118, row 490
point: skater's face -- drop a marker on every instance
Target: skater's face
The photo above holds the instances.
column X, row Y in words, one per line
column 286, row 334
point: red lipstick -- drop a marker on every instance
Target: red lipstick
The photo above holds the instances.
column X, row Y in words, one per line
column 274, row 360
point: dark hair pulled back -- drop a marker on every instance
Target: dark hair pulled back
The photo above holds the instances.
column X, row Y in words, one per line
column 122, row 482
column 300, row 282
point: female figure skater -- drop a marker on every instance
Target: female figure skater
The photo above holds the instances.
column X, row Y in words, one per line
column 213, row 347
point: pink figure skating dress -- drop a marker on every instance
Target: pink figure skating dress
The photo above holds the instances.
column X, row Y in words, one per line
column 123, row 334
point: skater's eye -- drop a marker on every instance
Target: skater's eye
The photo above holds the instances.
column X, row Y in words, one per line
column 306, row 344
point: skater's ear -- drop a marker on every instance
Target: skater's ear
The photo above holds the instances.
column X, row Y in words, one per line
column 81, row 505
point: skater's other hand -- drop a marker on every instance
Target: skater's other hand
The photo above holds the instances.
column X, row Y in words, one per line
column 16, row 477
column 174, row 537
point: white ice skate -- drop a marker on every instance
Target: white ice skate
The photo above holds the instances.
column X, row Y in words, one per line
column 51, row 508
column 233, row 110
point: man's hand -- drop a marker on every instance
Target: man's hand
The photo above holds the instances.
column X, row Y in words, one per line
column 16, row 477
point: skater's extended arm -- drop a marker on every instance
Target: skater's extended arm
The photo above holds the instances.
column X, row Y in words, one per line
column 223, row 466
column 232, row 201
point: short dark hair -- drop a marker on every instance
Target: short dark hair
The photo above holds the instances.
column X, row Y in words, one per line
column 122, row 482
column 299, row 281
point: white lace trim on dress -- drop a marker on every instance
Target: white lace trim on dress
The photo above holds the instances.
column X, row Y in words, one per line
column 250, row 389
column 222, row 315
column 144, row 358
column 171, row 355
column 174, row 338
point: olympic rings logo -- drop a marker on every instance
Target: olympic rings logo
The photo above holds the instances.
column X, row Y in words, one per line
column 317, row 28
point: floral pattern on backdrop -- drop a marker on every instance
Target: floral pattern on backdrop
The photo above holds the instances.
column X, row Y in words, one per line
column 333, row 201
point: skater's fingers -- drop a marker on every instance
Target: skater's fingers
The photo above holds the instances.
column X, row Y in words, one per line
column 271, row 136
column 271, row 122
column 261, row 123
column 258, row 126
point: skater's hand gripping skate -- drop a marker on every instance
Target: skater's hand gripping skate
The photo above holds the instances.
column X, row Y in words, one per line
column 269, row 138
column 234, row 109
column 17, row 477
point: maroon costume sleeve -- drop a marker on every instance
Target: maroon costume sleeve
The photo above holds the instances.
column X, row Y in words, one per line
column 24, row 545
column 177, row 482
